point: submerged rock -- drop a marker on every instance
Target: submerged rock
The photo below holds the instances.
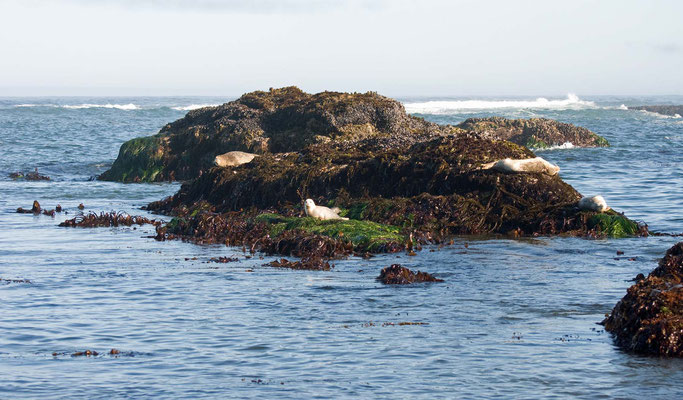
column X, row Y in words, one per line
column 289, row 120
column 649, row 319
column 669, row 110
column 399, row 275
column 535, row 133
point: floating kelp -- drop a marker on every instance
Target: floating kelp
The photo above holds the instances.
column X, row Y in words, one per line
column 8, row 281
column 399, row 275
column 649, row 319
column 29, row 176
column 106, row 219
column 223, row 260
column 306, row 263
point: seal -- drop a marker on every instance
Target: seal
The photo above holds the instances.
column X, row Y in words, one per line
column 233, row 159
column 536, row 164
column 320, row 212
column 594, row 203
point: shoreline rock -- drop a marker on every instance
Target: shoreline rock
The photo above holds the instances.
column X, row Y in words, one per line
column 669, row 110
column 536, row 133
column 649, row 319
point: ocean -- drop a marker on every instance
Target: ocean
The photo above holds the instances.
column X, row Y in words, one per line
column 514, row 318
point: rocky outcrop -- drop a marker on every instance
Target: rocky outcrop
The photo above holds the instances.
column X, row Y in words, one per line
column 288, row 120
column 537, row 133
column 671, row 111
column 399, row 275
column 280, row 120
column 649, row 319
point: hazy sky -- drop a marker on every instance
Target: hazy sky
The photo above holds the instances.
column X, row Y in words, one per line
column 399, row 47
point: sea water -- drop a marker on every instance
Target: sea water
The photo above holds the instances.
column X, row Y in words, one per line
column 514, row 318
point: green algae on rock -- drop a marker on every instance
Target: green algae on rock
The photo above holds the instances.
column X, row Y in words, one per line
column 649, row 319
column 536, row 133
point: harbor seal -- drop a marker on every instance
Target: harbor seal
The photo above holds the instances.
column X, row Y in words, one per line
column 594, row 203
column 320, row 212
column 537, row 164
column 233, row 159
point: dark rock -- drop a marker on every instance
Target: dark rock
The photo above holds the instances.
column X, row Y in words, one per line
column 399, row 275
column 223, row 260
column 649, row 319
column 670, row 110
column 535, row 133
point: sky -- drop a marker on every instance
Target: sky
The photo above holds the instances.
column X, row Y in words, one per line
column 395, row 47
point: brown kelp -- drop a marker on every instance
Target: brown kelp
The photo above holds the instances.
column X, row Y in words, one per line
column 397, row 274
column 106, row 219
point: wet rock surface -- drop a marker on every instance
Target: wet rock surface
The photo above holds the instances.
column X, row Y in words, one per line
column 399, row 275
column 649, row 319
column 669, row 110
column 535, row 133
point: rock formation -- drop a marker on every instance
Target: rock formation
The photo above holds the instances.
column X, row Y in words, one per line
column 649, row 319
column 288, row 120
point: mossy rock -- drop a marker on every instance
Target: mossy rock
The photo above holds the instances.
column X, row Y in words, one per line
column 140, row 159
column 613, row 225
column 536, row 133
column 367, row 235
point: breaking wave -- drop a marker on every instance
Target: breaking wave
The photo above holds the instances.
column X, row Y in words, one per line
column 127, row 107
column 193, row 107
column 453, row 106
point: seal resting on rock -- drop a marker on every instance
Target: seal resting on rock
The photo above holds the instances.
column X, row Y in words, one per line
column 536, row 164
column 233, row 159
column 595, row 203
column 320, row 212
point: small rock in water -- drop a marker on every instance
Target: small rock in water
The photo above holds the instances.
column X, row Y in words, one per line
column 399, row 275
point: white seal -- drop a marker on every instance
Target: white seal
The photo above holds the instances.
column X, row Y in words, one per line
column 537, row 164
column 595, row 203
column 233, row 159
column 320, row 212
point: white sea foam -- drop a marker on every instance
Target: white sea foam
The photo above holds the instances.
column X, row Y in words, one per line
column 658, row 115
column 129, row 106
column 565, row 145
column 454, row 106
column 193, row 107
column 623, row 107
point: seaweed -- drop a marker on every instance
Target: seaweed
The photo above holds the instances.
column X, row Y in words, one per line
column 649, row 318
column 106, row 219
column 399, row 275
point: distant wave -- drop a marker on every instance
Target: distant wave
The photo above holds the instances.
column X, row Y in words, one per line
column 193, row 107
column 658, row 115
column 453, row 106
column 127, row 107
